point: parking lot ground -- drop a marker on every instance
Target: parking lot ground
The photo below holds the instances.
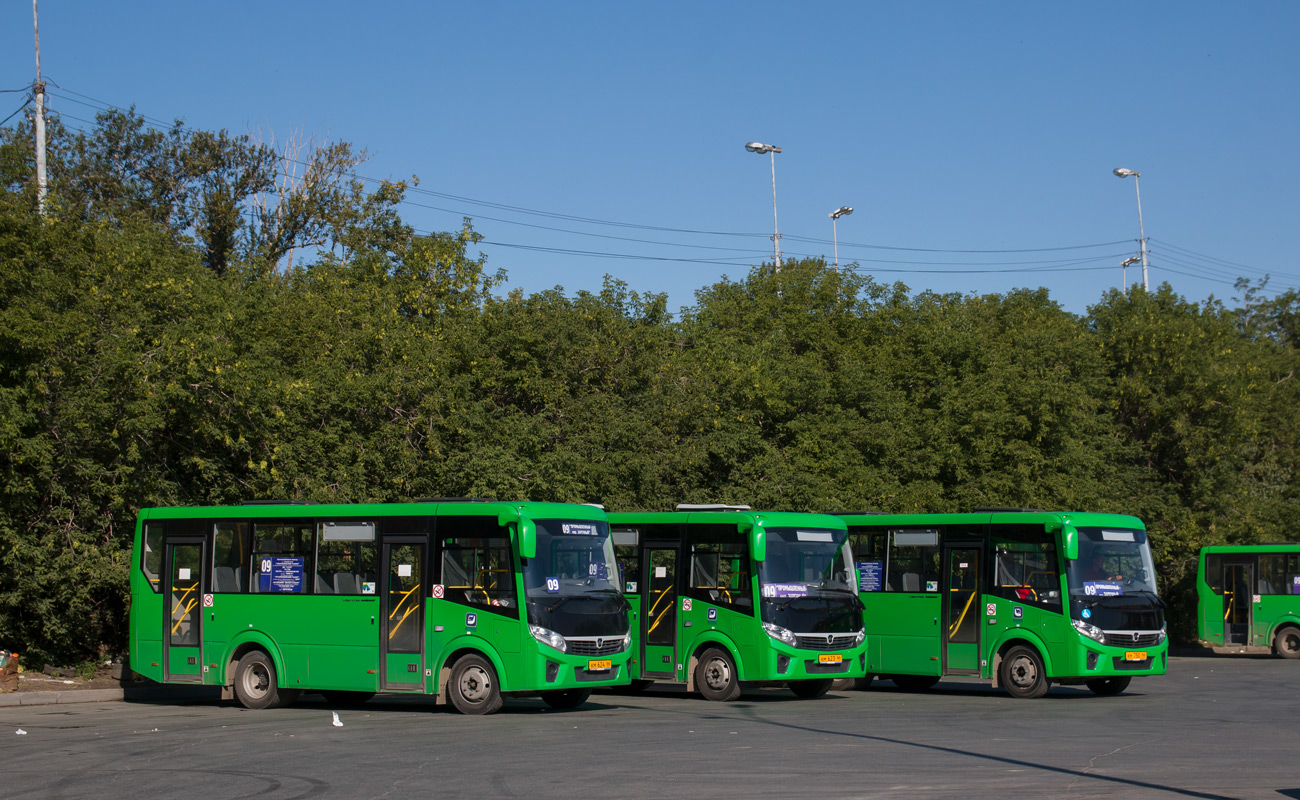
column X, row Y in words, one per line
column 1213, row 728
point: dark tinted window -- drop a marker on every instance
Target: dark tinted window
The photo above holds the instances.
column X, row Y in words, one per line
column 475, row 564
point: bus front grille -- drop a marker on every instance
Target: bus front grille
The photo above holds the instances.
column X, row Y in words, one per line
column 594, row 645
column 823, row 641
column 1132, row 638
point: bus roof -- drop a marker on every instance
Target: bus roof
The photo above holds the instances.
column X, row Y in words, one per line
column 771, row 519
column 532, row 510
column 1229, row 549
column 1080, row 519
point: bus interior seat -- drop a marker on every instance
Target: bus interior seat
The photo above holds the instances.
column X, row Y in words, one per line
column 1265, row 586
column 322, row 585
column 911, row 582
column 227, row 579
column 346, row 583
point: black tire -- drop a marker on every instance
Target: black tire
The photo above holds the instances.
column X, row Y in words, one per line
column 862, row 684
column 1108, row 687
column 811, row 689
column 914, row 683
column 1286, row 642
column 638, row 686
column 255, row 683
column 566, row 698
column 337, row 697
column 715, row 676
column 1022, row 674
column 473, row 686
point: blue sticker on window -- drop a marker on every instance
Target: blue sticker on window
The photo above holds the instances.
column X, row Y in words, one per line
column 869, row 575
column 552, row 585
column 596, row 570
column 281, row 574
column 1102, row 589
column 1086, row 613
column 471, row 620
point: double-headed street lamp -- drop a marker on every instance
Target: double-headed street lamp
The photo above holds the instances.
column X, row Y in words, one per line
column 1124, row 265
column 835, row 215
column 1120, row 172
column 772, row 150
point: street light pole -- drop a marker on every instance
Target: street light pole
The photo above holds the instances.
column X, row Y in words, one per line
column 771, row 150
column 835, row 215
column 1124, row 265
column 1120, row 172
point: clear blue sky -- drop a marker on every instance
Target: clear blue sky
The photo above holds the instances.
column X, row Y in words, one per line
column 947, row 126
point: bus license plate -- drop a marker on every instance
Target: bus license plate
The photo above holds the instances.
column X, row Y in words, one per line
column 835, row 658
column 1135, row 655
column 597, row 666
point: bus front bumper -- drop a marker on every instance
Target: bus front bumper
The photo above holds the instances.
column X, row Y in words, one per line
column 779, row 661
column 1091, row 659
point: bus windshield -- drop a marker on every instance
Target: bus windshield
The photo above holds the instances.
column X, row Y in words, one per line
column 806, row 562
column 574, row 558
column 1111, row 563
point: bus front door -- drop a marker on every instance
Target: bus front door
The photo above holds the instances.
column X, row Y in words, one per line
column 401, row 632
column 186, row 594
column 1238, row 580
column 961, row 615
column 659, row 618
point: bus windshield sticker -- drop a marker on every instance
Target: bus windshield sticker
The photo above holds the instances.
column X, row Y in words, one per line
column 932, row 586
column 814, row 536
column 1102, row 589
column 631, row 587
column 1086, row 613
column 367, row 587
column 661, row 572
column 183, row 574
column 870, row 574
column 403, row 570
column 552, row 585
column 1118, row 536
column 785, row 590
column 281, row 574
column 596, row 569
column 578, row 529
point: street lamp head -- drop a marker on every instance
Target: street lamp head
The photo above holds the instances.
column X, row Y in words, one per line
column 1120, row 172
column 759, row 147
column 1130, row 261
column 842, row 211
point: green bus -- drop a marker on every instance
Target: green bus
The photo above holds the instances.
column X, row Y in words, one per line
column 468, row 600
column 722, row 595
column 1025, row 598
column 1249, row 596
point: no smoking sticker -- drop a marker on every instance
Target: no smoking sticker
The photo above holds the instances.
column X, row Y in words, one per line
column 991, row 609
column 686, row 604
column 437, row 590
column 207, row 601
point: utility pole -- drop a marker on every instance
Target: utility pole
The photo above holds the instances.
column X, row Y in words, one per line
column 42, row 188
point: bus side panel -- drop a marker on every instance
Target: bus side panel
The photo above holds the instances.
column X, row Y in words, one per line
column 634, row 617
column 734, row 628
column 903, row 632
column 146, row 621
column 1209, row 613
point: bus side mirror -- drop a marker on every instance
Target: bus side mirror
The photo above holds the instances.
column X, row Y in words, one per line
column 527, row 538
column 1070, row 539
column 757, row 539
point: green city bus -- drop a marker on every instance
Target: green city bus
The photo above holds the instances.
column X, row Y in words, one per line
column 1022, row 597
column 1249, row 596
column 722, row 594
column 468, row 600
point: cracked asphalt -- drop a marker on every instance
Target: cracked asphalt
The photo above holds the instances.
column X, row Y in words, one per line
column 1218, row 727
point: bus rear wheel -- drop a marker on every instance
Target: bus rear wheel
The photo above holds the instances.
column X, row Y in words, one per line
column 1021, row 673
column 809, row 690
column 1287, row 642
column 255, row 683
column 914, row 683
column 862, row 684
column 715, row 676
column 566, row 698
column 473, row 686
column 1107, row 687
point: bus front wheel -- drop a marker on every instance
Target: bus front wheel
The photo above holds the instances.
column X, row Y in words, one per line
column 811, row 689
column 255, row 683
column 1022, row 673
column 566, row 698
column 1108, row 687
column 473, row 686
column 715, row 676
column 1287, row 642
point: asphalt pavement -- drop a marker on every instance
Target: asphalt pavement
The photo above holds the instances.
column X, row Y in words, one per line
column 1213, row 728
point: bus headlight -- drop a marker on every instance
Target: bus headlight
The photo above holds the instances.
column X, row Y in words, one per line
column 627, row 640
column 1162, row 635
column 860, row 638
column 781, row 634
column 1089, row 630
column 548, row 637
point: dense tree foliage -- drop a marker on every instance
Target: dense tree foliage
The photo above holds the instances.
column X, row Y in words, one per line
column 170, row 336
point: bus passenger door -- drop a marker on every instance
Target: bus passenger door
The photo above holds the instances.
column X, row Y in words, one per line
column 961, row 614
column 186, row 589
column 1238, row 583
column 401, row 632
column 659, row 615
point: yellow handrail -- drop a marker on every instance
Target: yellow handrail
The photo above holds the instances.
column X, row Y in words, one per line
column 957, row 625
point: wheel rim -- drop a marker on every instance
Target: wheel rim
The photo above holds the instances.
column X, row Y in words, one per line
column 1291, row 642
column 717, row 674
column 475, row 685
column 257, row 680
column 1024, row 672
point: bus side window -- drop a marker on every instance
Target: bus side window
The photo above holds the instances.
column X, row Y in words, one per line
column 279, row 562
column 719, row 566
column 345, row 558
column 151, row 560
column 869, row 551
column 1273, row 578
column 1214, row 573
column 476, row 567
column 1024, row 565
column 230, row 557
